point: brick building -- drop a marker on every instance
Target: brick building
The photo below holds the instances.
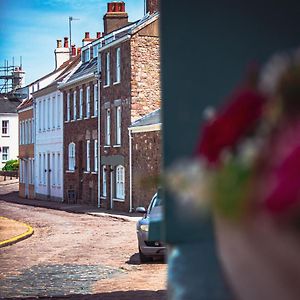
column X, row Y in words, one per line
column 80, row 145
column 145, row 158
column 130, row 89
column 26, row 149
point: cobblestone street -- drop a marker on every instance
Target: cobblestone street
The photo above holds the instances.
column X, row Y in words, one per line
column 71, row 255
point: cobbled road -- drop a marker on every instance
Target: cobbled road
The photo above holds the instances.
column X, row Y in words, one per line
column 76, row 256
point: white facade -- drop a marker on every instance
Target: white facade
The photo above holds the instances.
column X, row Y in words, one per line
column 49, row 146
column 9, row 137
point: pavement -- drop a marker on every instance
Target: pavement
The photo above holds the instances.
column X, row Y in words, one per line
column 9, row 193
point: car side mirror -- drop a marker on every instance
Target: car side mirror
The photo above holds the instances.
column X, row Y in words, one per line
column 141, row 210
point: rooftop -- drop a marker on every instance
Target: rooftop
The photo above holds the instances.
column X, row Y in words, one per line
column 8, row 105
column 150, row 119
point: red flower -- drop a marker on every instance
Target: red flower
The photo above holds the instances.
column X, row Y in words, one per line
column 236, row 120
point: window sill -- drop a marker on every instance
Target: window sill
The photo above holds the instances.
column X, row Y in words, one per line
column 117, row 146
column 67, row 121
column 105, row 86
column 86, row 118
column 94, row 172
column 103, row 197
column 93, row 117
column 70, row 171
column 107, row 146
column 5, row 136
column 118, row 200
column 117, row 82
column 86, row 172
column 73, row 120
column 79, row 119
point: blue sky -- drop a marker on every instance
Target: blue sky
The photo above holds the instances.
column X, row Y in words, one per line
column 30, row 28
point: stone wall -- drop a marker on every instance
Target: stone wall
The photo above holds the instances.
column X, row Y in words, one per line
column 152, row 6
column 145, row 75
column 146, row 164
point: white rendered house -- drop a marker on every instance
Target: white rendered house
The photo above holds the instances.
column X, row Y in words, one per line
column 9, row 130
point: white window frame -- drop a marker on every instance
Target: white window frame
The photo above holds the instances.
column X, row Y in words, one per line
column 58, row 110
column 104, row 179
column 29, row 132
column 107, row 127
column 44, row 168
column 88, row 155
column 118, row 66
column 74, row 105
column 118, row 125
column 107, row 69
column 5, row 127
column 40, row 115
column 48, row 114
column 95, row 100
column 54, row 113
column 81, row 103
column 71, row 156
column 95, row 155
column 88, row 102
column 58, row 169
column 120, row 182
column 6, row 153
column 40, row 168
column 68, row 108
column 21, row 170
column 33, row 131
column 44, row 114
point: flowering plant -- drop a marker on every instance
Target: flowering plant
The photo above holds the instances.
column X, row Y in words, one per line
column 248, row 156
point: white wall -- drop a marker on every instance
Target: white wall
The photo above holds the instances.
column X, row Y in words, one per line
column 49, row 140
column 12, row 139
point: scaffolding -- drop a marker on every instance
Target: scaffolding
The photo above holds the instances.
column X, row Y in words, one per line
column 11, row 77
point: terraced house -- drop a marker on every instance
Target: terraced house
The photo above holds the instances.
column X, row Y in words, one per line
column 80, row 145
column 130, row 89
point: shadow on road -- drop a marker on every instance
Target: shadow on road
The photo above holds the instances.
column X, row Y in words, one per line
column 119, row 295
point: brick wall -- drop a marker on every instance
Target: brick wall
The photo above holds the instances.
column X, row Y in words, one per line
column 152, row 6
column 145, row 78
column 146, row 164
column 84, row 183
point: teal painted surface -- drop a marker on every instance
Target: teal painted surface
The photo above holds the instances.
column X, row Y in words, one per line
column 206, row 47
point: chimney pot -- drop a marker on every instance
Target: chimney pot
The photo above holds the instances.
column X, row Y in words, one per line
column 116, row 16
column 78, row 51
column 87, row 35
column 66, row 42
column 98, row 35
column 73, row 50
column 58, row 44
column 116, row 7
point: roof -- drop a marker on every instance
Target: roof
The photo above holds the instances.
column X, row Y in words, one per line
column 25, row 103
column 85, row 69
column 150, row 119
column 8, row 105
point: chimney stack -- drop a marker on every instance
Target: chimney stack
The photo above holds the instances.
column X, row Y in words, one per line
column 87, row 35
column 66, row 42
column 116, row 17
column 62, row 54
column 152, row 6
column 87, row 39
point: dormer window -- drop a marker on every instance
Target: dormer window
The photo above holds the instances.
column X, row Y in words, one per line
column 86, row 55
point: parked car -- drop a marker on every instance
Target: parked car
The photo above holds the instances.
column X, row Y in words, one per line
column 149, row 249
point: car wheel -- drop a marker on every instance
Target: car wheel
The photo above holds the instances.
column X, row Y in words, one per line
column 143, row 257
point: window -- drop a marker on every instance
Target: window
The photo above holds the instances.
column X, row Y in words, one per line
column 5, row 129
column 58, row 169
column 33, row 131
column 54, row 112
column 103, row 181
column 86, row 55
column 29, row 132
column 48, row 116
column 96, row 155
column 88, row 100
column 40, row 115
column 107, row 128
column 119, row 182
column 71, row 157
column 32, row 171
column 44, row 115
column 25, row 132
column 44, row 168
column 53, row 169
column 5, row 153
column 40, row 168
column 58, row 110
column 20, row 133
column 118, row 65
column 80, row 104
column 68, row 108
column 118, row 125
column 88, row 156
column 107, row 73
column 95, row 100
column 95, row 50
column 74, row 106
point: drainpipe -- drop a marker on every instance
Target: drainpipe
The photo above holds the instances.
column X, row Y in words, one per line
column 130, row 170
column 99, row 141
